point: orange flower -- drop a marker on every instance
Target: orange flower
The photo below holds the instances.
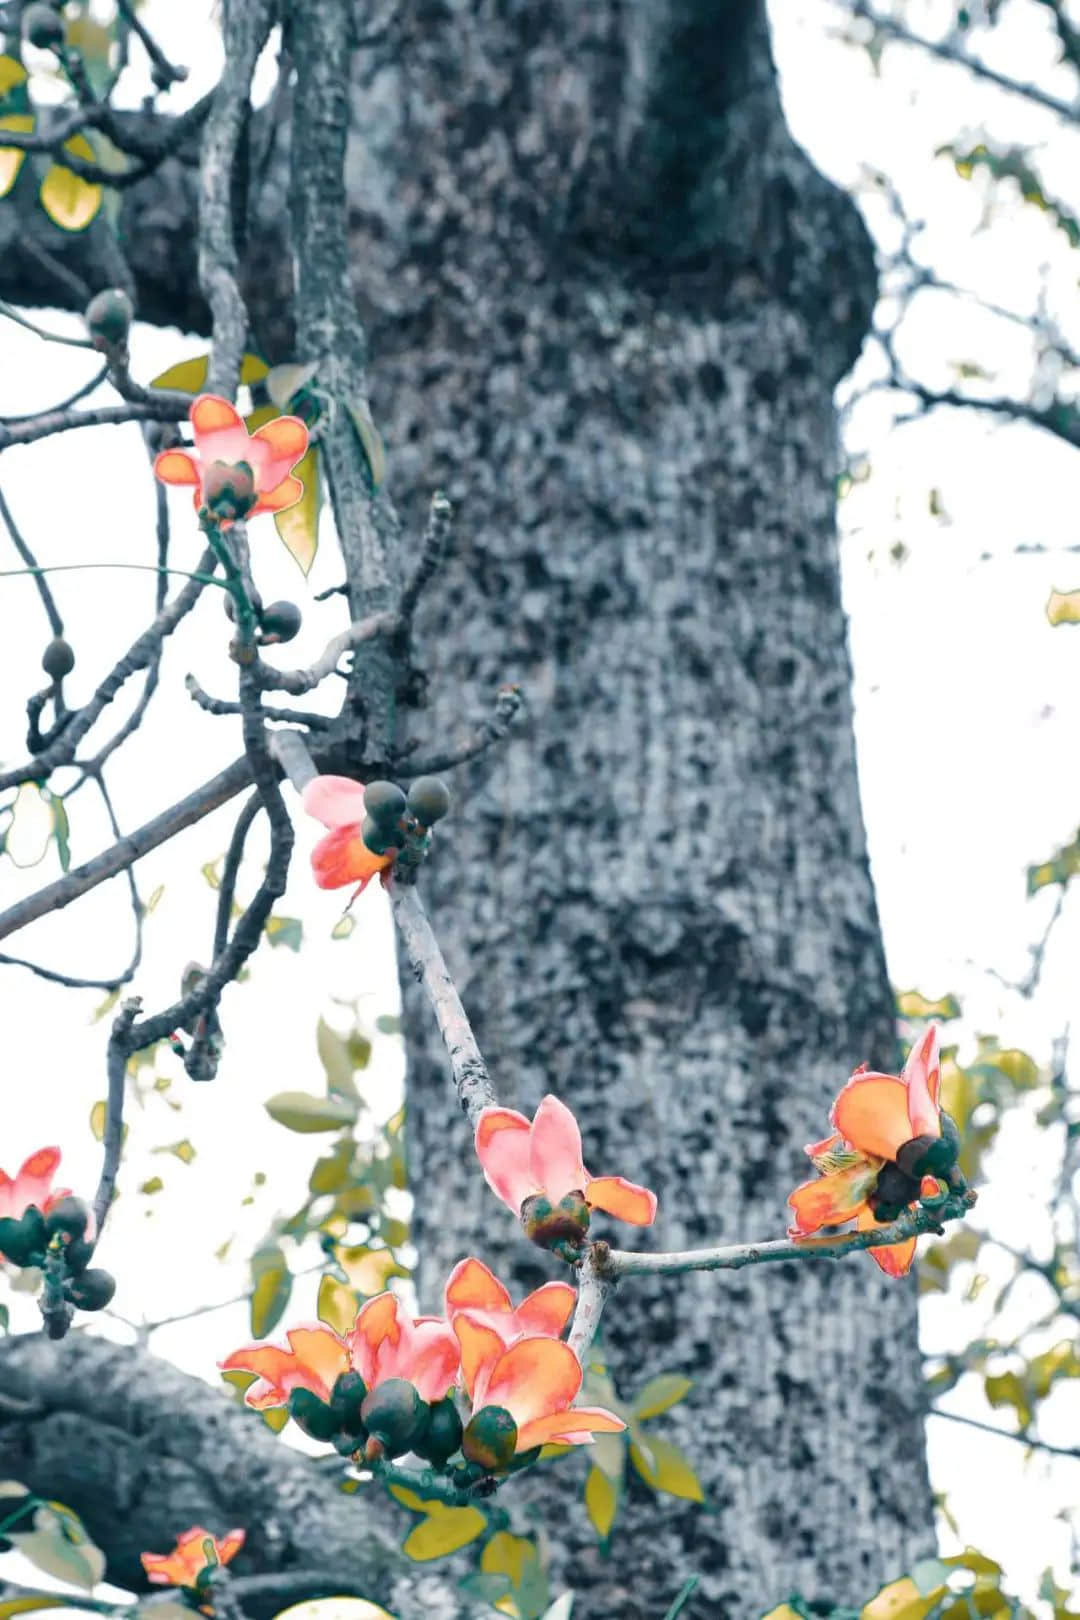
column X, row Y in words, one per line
column 315, row 1359
column 223, row 446
column 889, row 1138
column 195, row 1551
column 386, row 1342
column 342, row 856
column 472, row 1287
column 535, row 1380
column 32, row 1184
column 523, row 1161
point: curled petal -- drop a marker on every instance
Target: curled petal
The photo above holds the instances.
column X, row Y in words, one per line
column 342, row 857
column 534, row 1377
column 336, row 801
column 176, row 467
column 314, row 1360
column 502, row 1146
column 621, row 1198
column 871, row 1113
column 814, row 1150
column 574, row 1428
column 832, row 1199
column 286, row 440
column 893, row 1258
column 481, row 1347
column 211, row 414
column 321, row 1354
column 279, row 496
column 229, row 1545
column 546, row 1310
column 374, row 1337
column 922, row 1073
column 471, row 1286
column 555, row 1161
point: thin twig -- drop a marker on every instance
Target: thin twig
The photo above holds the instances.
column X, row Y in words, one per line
column 508, row 705
column 166, row 73
column 39, row 331
column 1021, row 1435
column 169, row 408
column 432, row 551
column 299, row 681
column 471, row 1079
column 65, row 404
column 48, row 601
column 229, row 872
column 219, row 706
column 113, row 1139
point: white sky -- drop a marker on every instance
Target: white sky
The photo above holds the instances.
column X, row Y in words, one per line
column 968, row 708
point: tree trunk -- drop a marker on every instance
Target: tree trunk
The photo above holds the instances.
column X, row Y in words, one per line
column 609, row 301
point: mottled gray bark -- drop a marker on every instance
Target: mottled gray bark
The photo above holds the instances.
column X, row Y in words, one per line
column 607, row 300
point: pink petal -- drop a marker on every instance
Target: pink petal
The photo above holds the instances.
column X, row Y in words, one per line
column 471, row 1286
column 436, row 1359
column 35, row 1178
column 555, row 1150
column 502, row 1146
column 336, row 801
column 922, row 1072
column 534, row 1377
column 546, row 1310
column 621, row 1198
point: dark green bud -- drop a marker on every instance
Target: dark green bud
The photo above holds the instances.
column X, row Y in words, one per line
column 931, row 1155
column 280, row 621
column 92, row 1291
column 384, row 803
column 893, row 1192
column 394, row 1415
column 108, row 317
column 58, row 659
column 23, row 1241
column 561, row 1227
column 77, row 1255
column 429, row 800
column 348, row 1397
column 377, row 837
column 314, row 1416
column 443, row 1434
column 43, row 27
column 228, row 490
column 69, row 1216
column 490, row 1438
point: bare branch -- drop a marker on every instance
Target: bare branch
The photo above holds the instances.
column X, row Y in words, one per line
column 1021, row 1435
column 169, row 408
column 508, row 705
column 593, row 1290
column 299, row 681
column 113, row 1139
column 220, row 706
column 48, row 601
column 432, row 550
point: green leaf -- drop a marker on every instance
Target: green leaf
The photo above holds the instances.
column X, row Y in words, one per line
column 336, row 1059
column 445, row 1531
column 388, row 1024
column 59, row 1546
column 370, row 439
column 913, row 1004
column 12, row 158
column 1007, row 1389
column 601, row 1502
column 272, row 1281
column 298, row 1111
column 667, row 1470
column 189, row 376
column 33, row 1601
column 12, row 73
column 287, row 931
column 154, row 1185
column 337, row 1305
column 298, row 525
column 183, row 1150
column 660, row 1394
column 70, row 201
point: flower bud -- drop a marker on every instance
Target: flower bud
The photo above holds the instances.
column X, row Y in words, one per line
column 931, row 1155
column 348, row 1397
column 43, row 27
column 384, row 803
column 490, row 1438
column 376, row 837
column 442, row 1436
column 58, row 659
column 91, row 1291
column 429, row 800
column 279, row 622
column 394, row 1415
column 69, row 1216
column 561, row 1227
column 314, row 1416
column 22, row 1241
column 108, row 317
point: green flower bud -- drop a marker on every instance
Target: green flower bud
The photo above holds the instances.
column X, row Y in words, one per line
column 58, row 659
column 280, row 621
column 108, row 317
column 314, row 1416
column 69, row 1216
column 894, row 1192
column 42, row 26
column 92, row 1291
column 228, row 490
column 429, row 800
column 490, row 1438
column 348, row 1397
column 23, row 1241
column 561, row 1227
column 443, row 1434
column 931, row 1155
column 77, row 1255
column 394, row 1415
column 377, row 837
column 384, row 803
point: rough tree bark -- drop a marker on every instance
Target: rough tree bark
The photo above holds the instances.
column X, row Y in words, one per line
column 608, row 300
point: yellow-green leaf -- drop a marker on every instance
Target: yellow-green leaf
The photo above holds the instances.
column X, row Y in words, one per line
column 334, row 1056
column 335, row 1608
column 298, row 1111
column 337, row 1305
column 371, row 441
column 1008, row 1389
column 70, row 201
column 11, row 74
column 601, row 1502
column 783, row 1612
column 275, row 1417
column 507, row 1554
column 184, row 1151
column 298, row 525
column 13, row 157
column 33, row 1600
column 287, row 931
column 60, row 1547
column 409, row 1499
column 667, row 1470
column 902, row 1600
column 1063, row 607
column 189, row 376
column 154, row 1185
column 369, row 1270
column 343, row 927
column 270, row 1295
column 444, row 1532
column 913, row 1004
column 661, row 1393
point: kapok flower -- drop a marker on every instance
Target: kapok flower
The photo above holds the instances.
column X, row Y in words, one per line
column 890, row 1137
column 537, row 1171
column 522, row 1395
column 315, row 1359
column 472, row 1287
column 195, row 1551
column 342, row 856
column 386, row 1342
column 238, row 473
column 32, row 1184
